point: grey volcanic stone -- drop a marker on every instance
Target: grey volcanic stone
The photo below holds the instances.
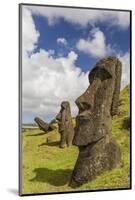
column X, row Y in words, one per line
column 43, row 125
column 66, row 129
column 97, row 150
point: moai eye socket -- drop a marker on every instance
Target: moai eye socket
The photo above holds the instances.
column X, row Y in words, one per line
column 62, row 108
column 100, row 73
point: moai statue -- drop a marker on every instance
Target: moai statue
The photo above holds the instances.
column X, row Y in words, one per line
column 43, row 125
column 97, row 150
column 66, row 129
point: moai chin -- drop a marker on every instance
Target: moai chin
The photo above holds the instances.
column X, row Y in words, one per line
column 97, row 150
column 43, row 125
column 65, row 125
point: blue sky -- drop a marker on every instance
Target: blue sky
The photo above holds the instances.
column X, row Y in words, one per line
column 119, row 38
column 60, row 46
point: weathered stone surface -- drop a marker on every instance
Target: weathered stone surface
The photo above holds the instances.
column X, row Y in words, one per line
column 43, row 125
column 97, row 150
column 66, row 129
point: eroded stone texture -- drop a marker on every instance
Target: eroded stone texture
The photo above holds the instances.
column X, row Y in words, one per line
column 66, row 129
column 43, row 125
column 97, row 150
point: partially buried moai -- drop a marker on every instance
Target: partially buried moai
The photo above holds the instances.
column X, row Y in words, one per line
column 43, row 125
column 65, row 125
column 97, row 150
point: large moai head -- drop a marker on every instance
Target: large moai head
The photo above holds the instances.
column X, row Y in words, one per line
column 99, row 102
column 65, row 124
column 97, row 150
column 43, row 125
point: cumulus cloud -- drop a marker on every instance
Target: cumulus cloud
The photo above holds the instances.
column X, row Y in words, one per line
column 29, row 33
column 95, row 45
column 83, row 17
column 125, row 59
column 62, row 41
column 48, row 80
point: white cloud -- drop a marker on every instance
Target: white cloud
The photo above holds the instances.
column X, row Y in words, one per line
column 62, row 41
column 29, row 33
column 47, row 80
column 95, row 45
column 83, row 16
column 125, row 59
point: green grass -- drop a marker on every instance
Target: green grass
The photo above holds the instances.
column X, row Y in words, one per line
column 47, row 168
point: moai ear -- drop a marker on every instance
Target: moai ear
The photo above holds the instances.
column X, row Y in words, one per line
column 115, row 99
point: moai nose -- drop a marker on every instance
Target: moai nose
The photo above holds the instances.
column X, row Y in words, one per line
column 58, row 116
column 85, row 101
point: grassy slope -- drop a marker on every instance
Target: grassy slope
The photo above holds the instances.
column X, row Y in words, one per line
column 47, row 168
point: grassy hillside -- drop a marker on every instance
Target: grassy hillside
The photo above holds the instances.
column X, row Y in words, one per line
column 47, row 168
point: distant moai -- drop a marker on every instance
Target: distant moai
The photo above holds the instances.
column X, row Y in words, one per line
column 97, row 150
column 43, row 125
column 65, row 125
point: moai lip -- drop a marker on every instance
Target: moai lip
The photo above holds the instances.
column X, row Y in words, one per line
column 97, row 150
column 65, row 125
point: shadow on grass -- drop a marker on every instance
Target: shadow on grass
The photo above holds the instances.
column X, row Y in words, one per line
column 126, row 123
column 37, row 134
column 41, row 133
column 51, row 144
column 57, row 177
